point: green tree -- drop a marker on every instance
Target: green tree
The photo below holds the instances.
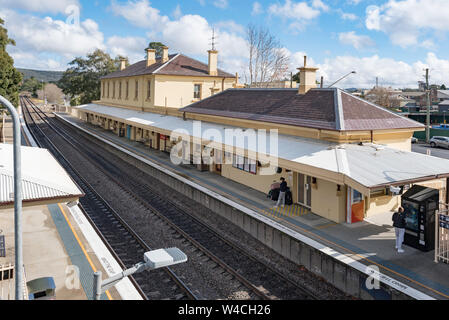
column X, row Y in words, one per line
column 10, row 78
column 81, row 81
column 31, row 85
column 158, row 47
column 443, row 87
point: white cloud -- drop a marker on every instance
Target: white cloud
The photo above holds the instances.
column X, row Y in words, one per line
column 141, row 14
column 131, row 47
column 190, row 34
column 48, row 35
column 358, row 42
column 347, row 15
column 230, row 25
column 39, row 5
column 257, row 9
column 391, row 72
column 354, row 2
column 294, row 10
column 320, row 5
column 221, row 4
column 299, row 13
column 407, row 20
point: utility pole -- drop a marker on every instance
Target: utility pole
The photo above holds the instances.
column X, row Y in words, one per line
column 428, row 107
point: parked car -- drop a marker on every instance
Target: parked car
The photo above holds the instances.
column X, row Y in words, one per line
column 439, row 142
column 414, row 140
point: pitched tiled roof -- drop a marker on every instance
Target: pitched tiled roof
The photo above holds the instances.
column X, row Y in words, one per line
column 331, row 109
column 176, row 65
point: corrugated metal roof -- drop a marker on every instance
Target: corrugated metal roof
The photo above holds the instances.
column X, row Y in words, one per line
column 42, row 176
column 367, row 164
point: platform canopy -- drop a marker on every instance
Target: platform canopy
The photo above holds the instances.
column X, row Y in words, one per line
column 364, row 166
column 44, row 181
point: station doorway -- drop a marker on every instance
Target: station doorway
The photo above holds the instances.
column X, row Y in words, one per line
column 305, row 190
column 355, row 209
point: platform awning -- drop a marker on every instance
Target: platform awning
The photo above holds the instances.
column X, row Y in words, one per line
column 366, row 166
column 44, row 181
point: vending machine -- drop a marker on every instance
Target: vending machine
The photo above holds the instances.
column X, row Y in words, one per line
column 420, row 204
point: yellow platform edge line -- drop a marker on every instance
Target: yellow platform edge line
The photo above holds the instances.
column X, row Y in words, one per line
column 81, row 245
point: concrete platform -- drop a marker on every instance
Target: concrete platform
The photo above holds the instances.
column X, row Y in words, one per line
column 370, row 243
column 52, row 246
column 59, row 242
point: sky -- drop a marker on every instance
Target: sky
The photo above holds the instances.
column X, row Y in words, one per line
column 394, row 40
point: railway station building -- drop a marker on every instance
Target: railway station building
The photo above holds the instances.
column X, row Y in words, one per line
column 339, row 154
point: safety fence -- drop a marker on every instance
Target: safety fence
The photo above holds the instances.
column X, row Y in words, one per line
column 7, row 285
column 442, row 235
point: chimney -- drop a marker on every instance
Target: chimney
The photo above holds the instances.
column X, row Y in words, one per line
column 307, row 78
column 151, row 56
column 164, row 54
column 122, row 64
column 213, row 62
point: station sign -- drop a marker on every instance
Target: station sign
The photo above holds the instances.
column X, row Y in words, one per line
column 444, row 221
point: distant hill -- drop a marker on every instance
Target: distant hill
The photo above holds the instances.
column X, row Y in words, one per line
column 46, row 76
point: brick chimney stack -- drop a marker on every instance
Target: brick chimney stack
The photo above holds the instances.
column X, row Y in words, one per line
column 151, row 57
column 164, row 54
column 213, row 62
column 307, row 78
column 122, row 64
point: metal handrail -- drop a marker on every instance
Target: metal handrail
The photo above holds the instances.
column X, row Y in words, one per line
column 17, row 196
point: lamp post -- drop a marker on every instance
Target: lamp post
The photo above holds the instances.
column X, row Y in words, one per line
column 17, row 198
column 352, row 72
column 152, row 260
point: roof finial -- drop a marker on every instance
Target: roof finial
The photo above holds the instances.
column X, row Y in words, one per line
column 213, row 39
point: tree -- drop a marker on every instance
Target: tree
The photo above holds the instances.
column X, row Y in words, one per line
column 52, row 92
column 158, row 47
column 443, row 87
column 268, row 61
column 10, row 78
column 81, row 82
column 383, row 97
column 31, row 85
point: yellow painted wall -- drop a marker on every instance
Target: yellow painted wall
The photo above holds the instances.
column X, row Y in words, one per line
column 174, row 88
column 179, row 90
column 261, row 183
column 382, row 204
column 326, row 202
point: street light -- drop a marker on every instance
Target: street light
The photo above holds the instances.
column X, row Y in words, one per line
column 342, row 78
column 152, row 260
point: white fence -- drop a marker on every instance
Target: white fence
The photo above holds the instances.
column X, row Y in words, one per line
column 7, row 285
column 442, row 235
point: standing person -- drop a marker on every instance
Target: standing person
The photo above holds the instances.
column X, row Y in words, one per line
column 399, row 226
column 282, row 192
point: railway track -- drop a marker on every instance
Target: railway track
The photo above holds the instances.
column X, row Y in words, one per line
column 261, row 279
column 124, row 244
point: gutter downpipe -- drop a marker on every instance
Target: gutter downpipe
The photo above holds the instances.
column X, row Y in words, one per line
column 17, row 198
